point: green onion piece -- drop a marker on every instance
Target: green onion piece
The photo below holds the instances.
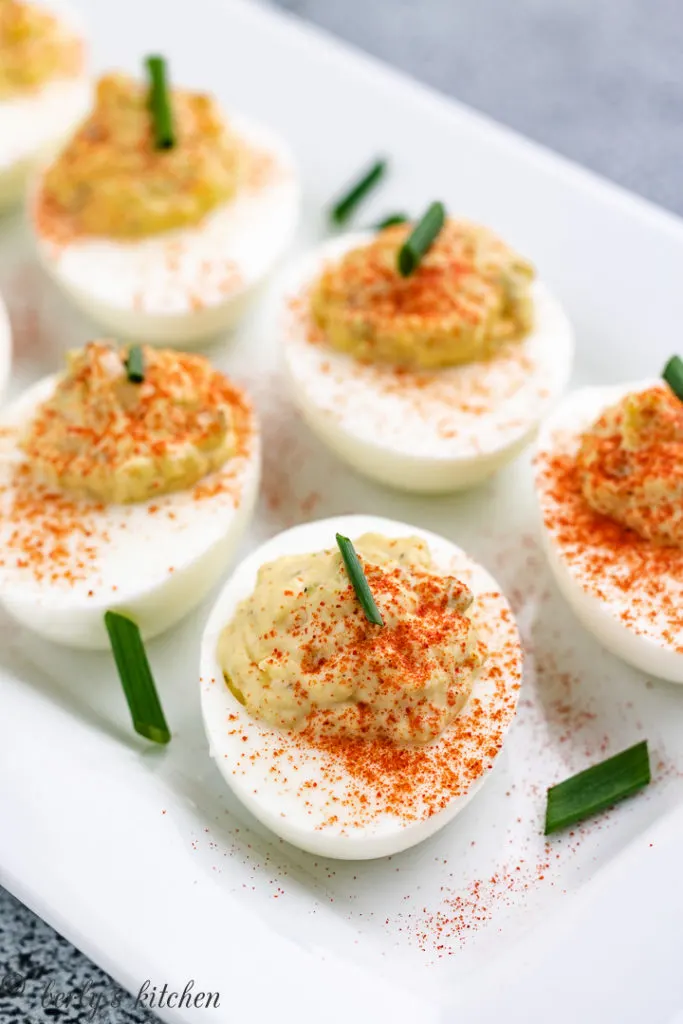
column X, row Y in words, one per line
column 344, row 207
column 420, row 239
column 160, row 103
column 234, row 690
column 673, row 375
column 135, row 364
column 136, row 678
column 597, row 788
column 392, row 220
column 358, row 580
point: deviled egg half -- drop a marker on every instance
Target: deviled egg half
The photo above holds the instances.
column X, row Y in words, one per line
column 125, row 485
column 5, row 347
column 348, row 738
column 428, row 382
column 609, row 479
column 44, row 89
column 164, row 243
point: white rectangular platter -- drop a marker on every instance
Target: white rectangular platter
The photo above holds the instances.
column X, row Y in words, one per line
column 140, row 856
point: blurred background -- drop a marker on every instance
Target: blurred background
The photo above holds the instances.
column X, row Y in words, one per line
column 600, row 81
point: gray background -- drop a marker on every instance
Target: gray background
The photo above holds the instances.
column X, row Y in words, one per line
column 598, row 80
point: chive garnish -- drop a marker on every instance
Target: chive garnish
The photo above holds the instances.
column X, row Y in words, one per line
column 597, row 788
column 358, row 580
column 420, row 239
column 160, row 103
column 136, row 678
column 234, row 690
column 392, row 220
column 135, row 364
column 344, row 207
column 673, row 375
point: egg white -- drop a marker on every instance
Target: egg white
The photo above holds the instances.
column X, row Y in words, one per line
column 642, row 642
column 5, row 347
column 180, row 286
column 417, row 437
column 255, row 759
column 135, row 547
column 33, row 124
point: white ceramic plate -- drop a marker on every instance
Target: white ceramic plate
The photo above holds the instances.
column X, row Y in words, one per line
column 140, row 856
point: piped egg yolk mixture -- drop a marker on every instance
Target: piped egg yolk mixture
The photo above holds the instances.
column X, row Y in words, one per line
column 35, row 47
column 105, row 436
column 468, row 297
column 112, row 181
column 301, row 655
column 630, row 465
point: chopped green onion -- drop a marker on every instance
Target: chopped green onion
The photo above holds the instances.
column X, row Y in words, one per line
column 136, row 677
column 135, row 364
column 597, row 788
column 160, row 103
column 392, row 220
column 673, row 375
column 344, row 207
column 420, row 240
column 359, row 581
column 234, row 690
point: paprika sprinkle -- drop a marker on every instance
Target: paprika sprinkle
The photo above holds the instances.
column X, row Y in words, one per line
column 609, row 481
column 162, row 244
column 430, row 382
column 341, row 734
column 111, row 489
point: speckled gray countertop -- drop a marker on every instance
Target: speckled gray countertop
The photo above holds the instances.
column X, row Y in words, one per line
column 598, row 80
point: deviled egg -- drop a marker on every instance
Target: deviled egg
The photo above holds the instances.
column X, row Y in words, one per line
column 428, row 382
column 348, row 738
column 44, row 89
column 164, row 245
column 5, row 347
column 126, row 484
column 610, row 488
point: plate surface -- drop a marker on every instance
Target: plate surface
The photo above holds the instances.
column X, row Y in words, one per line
column 141, row 857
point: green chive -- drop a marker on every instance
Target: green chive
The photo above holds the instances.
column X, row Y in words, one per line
column 135, row 364
column 597, row 788
column 420, row 240
column 344, row 207
column 392, row 220
column 360, row 584
column 673, row 375
column 234, row 690
column 136, row 678
column 160, row 103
